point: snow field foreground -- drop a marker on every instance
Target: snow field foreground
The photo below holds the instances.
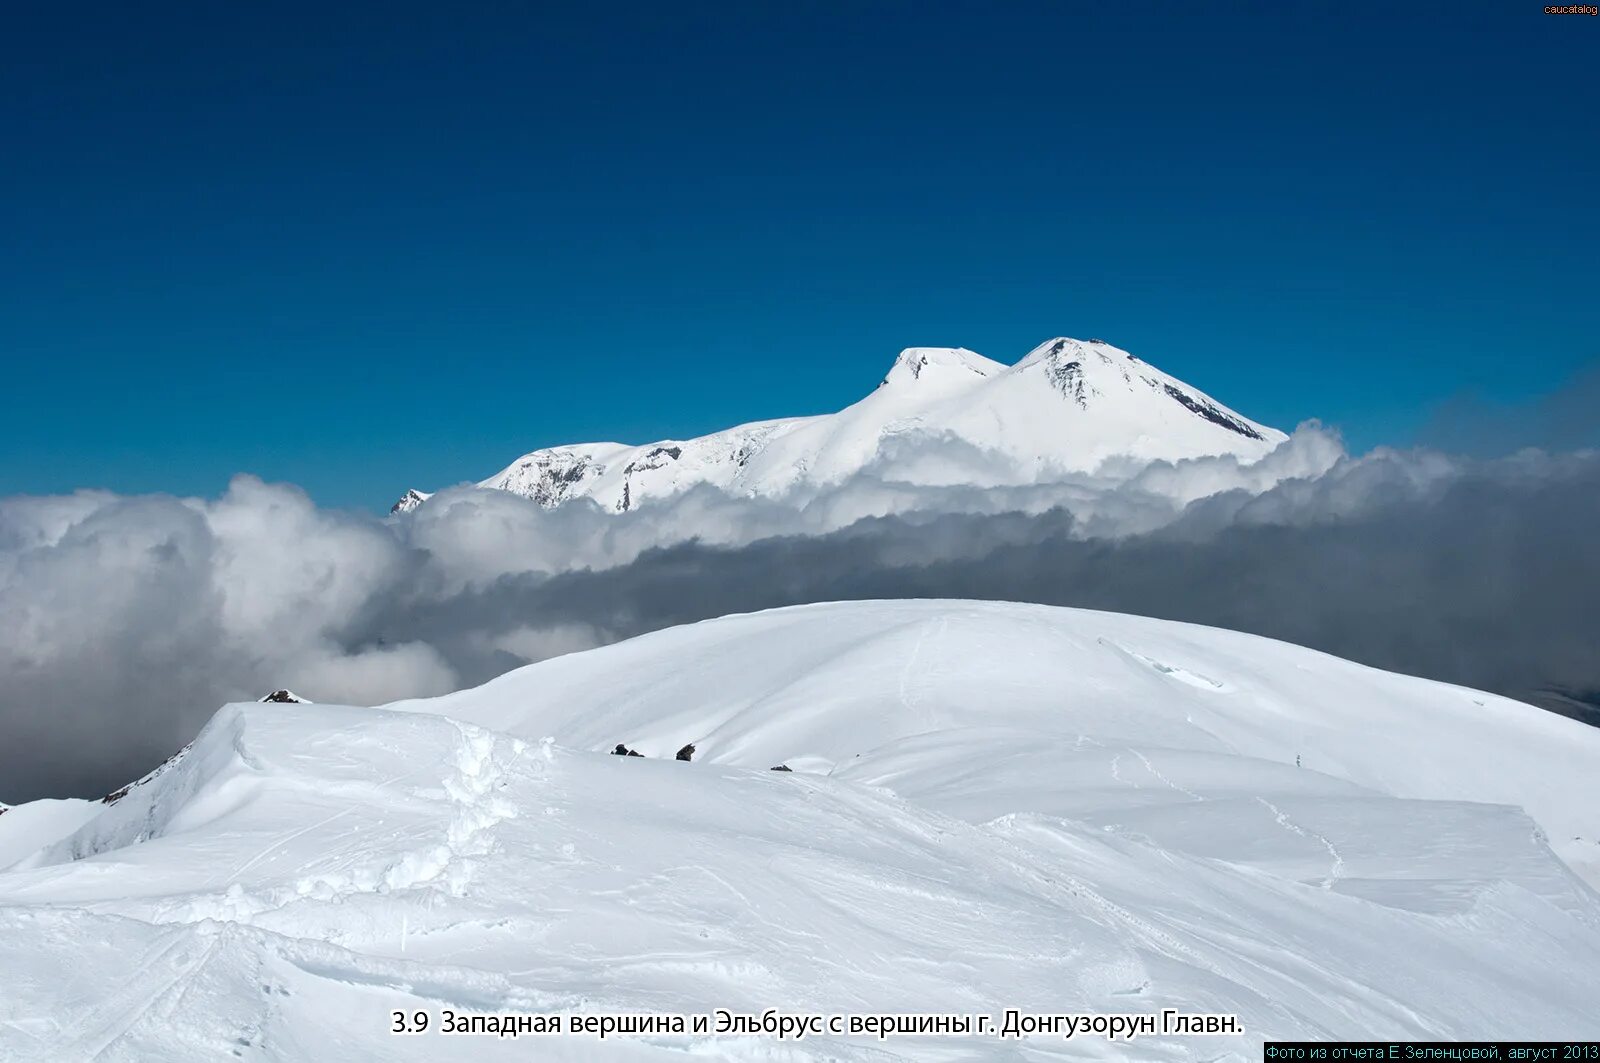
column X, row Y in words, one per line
column 991, row 806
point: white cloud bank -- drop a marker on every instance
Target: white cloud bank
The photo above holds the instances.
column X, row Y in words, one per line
column 128, row 620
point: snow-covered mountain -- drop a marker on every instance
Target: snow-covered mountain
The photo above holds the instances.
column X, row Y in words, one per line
column 1068, row 406
column 988, row 806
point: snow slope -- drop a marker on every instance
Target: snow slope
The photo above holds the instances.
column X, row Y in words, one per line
column 28, row 828
column 990, row 806
column 1068, row 406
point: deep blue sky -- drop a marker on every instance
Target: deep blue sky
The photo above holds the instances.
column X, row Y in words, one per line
column 361, row 250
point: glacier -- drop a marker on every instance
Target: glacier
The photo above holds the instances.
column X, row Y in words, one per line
column 1068, row 406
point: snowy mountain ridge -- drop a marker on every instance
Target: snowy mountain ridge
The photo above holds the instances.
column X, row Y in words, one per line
column 1067, row 406
column 988, row 806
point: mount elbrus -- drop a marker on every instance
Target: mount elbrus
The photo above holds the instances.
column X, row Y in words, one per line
column 1068, row 406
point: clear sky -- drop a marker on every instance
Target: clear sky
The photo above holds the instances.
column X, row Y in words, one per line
column 365, row 249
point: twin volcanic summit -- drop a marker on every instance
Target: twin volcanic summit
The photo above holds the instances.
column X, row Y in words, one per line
column 942, row 415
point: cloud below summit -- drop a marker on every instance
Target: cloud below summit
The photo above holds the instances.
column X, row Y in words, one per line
column 130, row 619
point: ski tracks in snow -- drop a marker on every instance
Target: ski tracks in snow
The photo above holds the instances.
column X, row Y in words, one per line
column 1151, row 768
column 1336, row 868
column 937, row 627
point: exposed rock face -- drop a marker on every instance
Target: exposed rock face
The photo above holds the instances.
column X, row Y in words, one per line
column 284, row 697
column 118, row 794
column 687, row 752
column 409, row 501
column 1211, row 412
column 624, row 751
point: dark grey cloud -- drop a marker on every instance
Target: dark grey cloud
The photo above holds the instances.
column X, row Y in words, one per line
column 1486, row 576
column 128, row 621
